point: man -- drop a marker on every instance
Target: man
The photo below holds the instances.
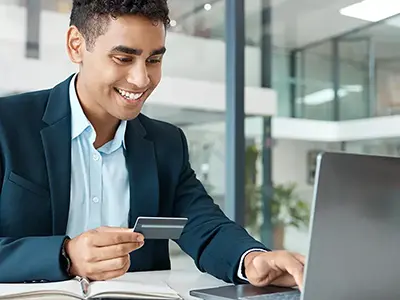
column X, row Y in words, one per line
column 79, row 164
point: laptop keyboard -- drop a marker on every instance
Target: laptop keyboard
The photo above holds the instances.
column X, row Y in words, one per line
column 292, row 295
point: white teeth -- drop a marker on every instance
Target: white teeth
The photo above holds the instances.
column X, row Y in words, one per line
column 130, row 96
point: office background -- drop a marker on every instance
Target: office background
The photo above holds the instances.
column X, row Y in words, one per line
column 314, row 75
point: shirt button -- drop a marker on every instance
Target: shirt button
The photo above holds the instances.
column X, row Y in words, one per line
column 96, row 157
column 95, row 199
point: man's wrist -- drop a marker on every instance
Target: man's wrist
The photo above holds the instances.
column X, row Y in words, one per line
column 245, row 260
column 65, row 259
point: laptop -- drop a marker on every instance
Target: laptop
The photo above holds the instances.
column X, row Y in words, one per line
column 354, row 234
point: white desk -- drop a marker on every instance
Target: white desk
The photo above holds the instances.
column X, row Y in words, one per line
column 182, row 281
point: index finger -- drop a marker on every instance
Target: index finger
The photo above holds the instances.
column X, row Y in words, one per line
column 301, row 258
column 291, row 265
column 106, row 238
column 110, row 252
column 112, row 229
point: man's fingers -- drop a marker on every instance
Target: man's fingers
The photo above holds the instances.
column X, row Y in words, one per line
column 291, row 265
column 106, row 275
column 112, row 229
column 118, row 230
column 286, row 280
column 106, row 238
column 106, row 266
column 300, row 258
column 110, row 252
column 263, row 269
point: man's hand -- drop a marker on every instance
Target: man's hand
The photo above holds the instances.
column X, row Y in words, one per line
column 280, row 268
column 102, row 253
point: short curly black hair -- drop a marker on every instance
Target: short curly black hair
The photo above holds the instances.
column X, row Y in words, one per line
column 91, row 17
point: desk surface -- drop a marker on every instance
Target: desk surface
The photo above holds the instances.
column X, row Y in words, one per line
column 182, row 281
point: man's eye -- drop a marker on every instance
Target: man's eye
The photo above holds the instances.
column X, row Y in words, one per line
column 154, row 60
column 124, row 59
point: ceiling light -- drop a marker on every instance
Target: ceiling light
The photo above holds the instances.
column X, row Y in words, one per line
column 328, row 95
column 172, row 23
column 207, row 6
column 372, row 10
column 205, row 168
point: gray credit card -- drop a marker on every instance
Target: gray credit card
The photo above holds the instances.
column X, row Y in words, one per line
column 160, row 227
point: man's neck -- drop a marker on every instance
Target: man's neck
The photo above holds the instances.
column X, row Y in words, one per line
column 104, row 132
column 103, row 123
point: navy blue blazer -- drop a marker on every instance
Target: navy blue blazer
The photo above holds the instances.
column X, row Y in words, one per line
column 35, row 167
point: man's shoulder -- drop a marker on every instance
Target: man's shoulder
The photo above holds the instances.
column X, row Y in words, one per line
column 27, row 96
column 26, row 103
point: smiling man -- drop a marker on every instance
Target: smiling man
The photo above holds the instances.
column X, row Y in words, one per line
column 79, row 163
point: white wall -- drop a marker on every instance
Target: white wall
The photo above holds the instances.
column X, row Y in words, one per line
column 186, row 83
column 369, row 129
column 194, row 68
column 187, row 56
column 318, row 131
column 290, row 162
column 326, row 131
column 27, row 74
column 303, row 129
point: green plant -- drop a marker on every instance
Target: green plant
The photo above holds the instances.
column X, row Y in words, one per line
column 287, row 208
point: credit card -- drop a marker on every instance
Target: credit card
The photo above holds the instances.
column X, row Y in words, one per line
column 160, row 227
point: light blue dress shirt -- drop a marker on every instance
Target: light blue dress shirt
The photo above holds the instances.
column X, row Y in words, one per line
column 100, row 193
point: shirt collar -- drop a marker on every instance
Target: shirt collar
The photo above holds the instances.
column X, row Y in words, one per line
column 80, row 124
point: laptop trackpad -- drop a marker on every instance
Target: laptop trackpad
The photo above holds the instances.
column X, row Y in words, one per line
column 246, row 291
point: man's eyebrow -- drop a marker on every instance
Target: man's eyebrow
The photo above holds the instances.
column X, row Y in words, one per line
column 127, row 50
column 158, row 51
column 133, row 51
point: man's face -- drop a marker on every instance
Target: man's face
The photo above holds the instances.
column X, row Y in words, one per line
column 123, row 67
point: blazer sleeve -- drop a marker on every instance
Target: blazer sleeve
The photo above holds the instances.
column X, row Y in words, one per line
column 215, row 243
column 31, row 259
column 28, row 259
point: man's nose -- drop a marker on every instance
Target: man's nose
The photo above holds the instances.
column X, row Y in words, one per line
column 138, row 76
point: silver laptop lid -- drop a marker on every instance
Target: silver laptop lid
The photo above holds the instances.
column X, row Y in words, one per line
column 355, row 229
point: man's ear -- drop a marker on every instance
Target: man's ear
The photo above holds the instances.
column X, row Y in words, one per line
column 76, row 45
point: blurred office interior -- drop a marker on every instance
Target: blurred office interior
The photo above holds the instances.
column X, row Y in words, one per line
column 323, row 75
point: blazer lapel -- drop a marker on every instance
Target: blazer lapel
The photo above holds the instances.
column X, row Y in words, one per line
column 56, row 138
column 143, row 174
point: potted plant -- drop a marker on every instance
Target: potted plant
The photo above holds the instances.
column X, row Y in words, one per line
column 287, row 208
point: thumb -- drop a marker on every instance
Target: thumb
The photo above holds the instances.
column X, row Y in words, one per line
column 259, row 271
column 122, row 230
column 113, row 229
column 263, row 266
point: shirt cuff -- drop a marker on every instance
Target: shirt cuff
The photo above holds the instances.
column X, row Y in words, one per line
column 240, row 272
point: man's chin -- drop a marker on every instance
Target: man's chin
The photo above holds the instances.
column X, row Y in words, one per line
column 125, row 117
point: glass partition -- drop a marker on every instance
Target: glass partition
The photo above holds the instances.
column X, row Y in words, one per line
column 384, row 47
column 353, row 76
column 314, row 98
